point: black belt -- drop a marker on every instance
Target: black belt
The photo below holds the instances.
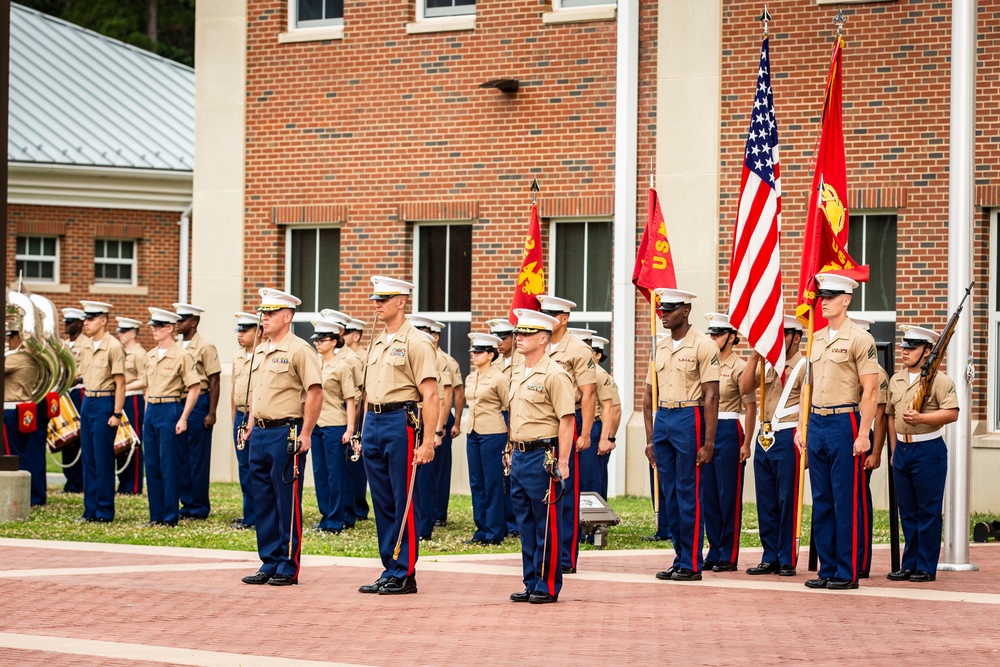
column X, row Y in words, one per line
column 379, row 408
column 98, row 393
column 275, row 423
column 532, row 445
column 156, row 400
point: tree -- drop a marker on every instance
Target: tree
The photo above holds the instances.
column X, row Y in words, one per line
column 165, row 27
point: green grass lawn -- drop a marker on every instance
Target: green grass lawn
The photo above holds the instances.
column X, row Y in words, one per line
column 57, row 521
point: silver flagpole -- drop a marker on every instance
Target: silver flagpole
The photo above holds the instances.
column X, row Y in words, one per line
column 960, row 236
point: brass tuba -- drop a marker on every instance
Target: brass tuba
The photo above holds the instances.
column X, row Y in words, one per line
column 46, row 311
column 20, row 307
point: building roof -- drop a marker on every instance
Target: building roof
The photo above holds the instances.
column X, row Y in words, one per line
column 78, row 98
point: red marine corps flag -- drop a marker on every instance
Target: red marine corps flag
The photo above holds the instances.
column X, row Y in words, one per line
column 654, row 266
column 756, row 307
column 825, row 247
column 531, row 279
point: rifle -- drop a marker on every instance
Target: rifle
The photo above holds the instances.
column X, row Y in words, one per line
column 930, row 368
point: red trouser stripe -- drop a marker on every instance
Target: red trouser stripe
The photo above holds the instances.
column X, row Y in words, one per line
column 6, row 445
column 738, row 514
column 795, row 496
column 411, row 531
column 297, row 518
column 574, row 549
column 552, row 542
column 695, row 543
column 858, row 467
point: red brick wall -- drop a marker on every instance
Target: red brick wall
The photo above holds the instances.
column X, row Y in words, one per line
column 157, row 236
column 381, row 118
column 896, row 125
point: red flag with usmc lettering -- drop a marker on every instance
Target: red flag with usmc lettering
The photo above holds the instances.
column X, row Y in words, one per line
column 531, row 279
column 654, row 265
column 825, row 247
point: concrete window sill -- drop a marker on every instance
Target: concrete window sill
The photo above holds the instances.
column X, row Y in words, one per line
column 580, row 15
column 312, row 34
column 48, row 288
column 127, row 290
column 444, row 24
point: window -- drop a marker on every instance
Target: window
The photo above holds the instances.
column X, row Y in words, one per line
column 317, row 13
column 114, row 262
column 443, row 267
column 872, row 241
column 37, row 258
column 436, row 8
column 313, row 270
column 580, row 254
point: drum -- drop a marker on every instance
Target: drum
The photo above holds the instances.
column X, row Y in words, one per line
column 64, row 430
column 125, row 437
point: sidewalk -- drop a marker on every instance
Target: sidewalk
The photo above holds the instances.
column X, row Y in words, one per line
column 97, row 604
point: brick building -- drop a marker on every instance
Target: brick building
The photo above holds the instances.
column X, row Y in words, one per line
column 370, row 147
column 100, row 156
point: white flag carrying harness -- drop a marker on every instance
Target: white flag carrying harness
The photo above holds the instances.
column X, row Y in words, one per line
column 780, row 411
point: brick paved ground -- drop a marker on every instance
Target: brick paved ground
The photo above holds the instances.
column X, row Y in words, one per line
column 95, row 604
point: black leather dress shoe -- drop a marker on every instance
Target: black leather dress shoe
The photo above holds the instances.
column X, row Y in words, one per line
column 666, row 574
column 921, row 576
column 654, row 538
column 709, row 564
column 566, row 569
column 516, row 534
column 542, row 598
column 440, row 523
column 786, row 571
column 684, row 574
column 257, row 578
column 765, row 568
column 817, row 583
column 900, row 575
column 723, row 566
column 331, row 531
column 397, row 586
column 283, row 580
column 375, row 586
column 523, row 596
column 841, row 585
column 864, row 574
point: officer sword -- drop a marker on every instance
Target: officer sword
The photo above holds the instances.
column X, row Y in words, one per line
column 246, row 401
column 413, row 483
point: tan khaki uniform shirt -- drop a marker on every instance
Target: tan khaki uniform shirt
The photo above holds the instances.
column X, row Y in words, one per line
column 396, row 369
column 774, row 389
column 356, row 360
column 942, row 396
column 576, row 359
column 135, row 365
column 444, row 375
column 507, row 366
column 681, row 372
column 539, row 400
column 730, row 398
column 607, row 389
column 883, row 386
column 282, row 376
column 241, row 375
column 838, row 364
column 20, row 374
column 486, row 395
column 206, row 358
column 172, row 375
column 338, row 386
column 99, row 367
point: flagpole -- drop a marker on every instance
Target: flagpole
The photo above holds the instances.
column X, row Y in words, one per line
column 806, row 405
column 655, row 393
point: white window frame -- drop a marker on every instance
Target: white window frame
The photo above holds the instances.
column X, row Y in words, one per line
column 302, row 316
column 134, row 263
column 993, row 346
column 36, row 258
column 441, row 315
column 317, row 30
column 578, row 315
column 444, row 13
column 874, row 315
column 444, row 23
column 598, row 10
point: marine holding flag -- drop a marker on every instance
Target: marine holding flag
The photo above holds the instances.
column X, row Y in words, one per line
column 531, row 279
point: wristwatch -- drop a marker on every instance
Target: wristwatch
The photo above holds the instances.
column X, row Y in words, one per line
column 118, row 415
column 441, row 433
column 611, row 439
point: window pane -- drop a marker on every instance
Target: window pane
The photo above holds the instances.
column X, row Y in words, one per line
column 128, row 249
column 880, row 293
column 570, row 261
column 460, row 269
column 455, row 341
column 49, row 247
column 310, row 10
column 22, row 245
column 111, row 249
column 449, row 7
column 99, row 249
column 303, row 271
column 125, row 272
column 334, row 9
column 34, row 245
column 329, row 269
column 598, row 266
column 46, row 270
column 433, row 254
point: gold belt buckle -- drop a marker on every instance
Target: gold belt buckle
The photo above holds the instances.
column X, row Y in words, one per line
column 377, row 408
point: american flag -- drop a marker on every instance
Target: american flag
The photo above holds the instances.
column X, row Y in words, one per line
column 756, row 305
